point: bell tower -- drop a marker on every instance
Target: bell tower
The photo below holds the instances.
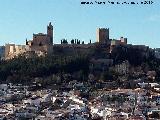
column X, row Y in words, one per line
column 50, row 33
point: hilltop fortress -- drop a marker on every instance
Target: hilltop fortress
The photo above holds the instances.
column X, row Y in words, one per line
column 43, row 44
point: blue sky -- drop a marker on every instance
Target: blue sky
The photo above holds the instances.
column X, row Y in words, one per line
column 19, row 19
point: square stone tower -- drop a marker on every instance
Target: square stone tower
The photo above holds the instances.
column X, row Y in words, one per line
column 102, row 35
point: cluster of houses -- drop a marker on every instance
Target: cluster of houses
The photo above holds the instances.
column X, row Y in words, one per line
column 24, row 102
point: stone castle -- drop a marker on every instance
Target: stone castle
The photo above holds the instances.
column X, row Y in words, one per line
column 42, row 44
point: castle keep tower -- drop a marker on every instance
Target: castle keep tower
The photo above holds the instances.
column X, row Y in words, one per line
column 50, row 33
column 42, row 42
column 102, row 35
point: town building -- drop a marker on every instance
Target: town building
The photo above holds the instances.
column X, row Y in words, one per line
column 122, row 68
